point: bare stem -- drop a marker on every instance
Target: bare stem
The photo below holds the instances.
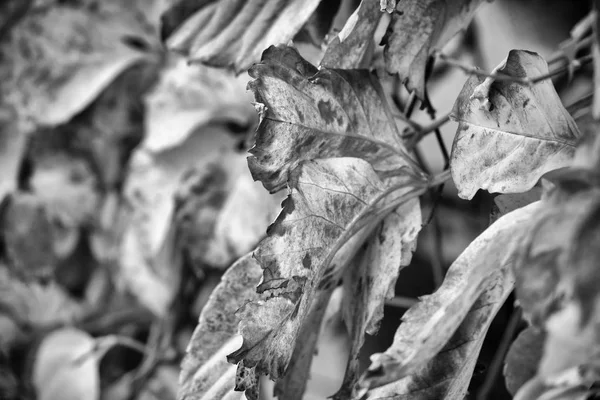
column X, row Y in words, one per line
column 401, row 302
column 527, row 81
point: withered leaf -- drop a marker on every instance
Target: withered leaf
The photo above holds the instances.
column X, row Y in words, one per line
column 510, row 134
column 205, row 372
column 350, row 48
column 308, row 114
column 233, row 33
column 330, row 200
column 293, row 384
column 417, row 29
column 428, row 326
column 370, row 283
column 447, row 375
column 52, row 74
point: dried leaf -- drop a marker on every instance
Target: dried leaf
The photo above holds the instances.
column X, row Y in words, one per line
column 12, row 147
column 447, row 375
column 418, row 28
column 221, row 213
column 234, row 33
column 190, row 96
column 521, row 362
column 427, row 326
column 308, row 114
column 205, row 373
column 65, row 367
column 293, row 384
column 351, row 46
column 510, row 134
column 330, row 200
column 368, row 285
column 53, row 74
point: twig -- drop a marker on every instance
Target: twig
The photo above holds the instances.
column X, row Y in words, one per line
column 496, row 364
column 440, row 178
column 416, row 135
column 527, row 81
column 401, row 302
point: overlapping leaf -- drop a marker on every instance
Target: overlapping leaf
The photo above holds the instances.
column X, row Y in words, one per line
column 510, row 134
column 308, row 114
column 558, row 279
column 484, row 267
column 190, row 96
column 417, row 29
column 351, row 47
column 221, row 213
column 205, row 373
column 368, row 285
column 233, row 33
column 329, row 201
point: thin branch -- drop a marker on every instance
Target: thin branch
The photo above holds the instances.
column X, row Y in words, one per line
column 440, row 178
column 416, row 135
column 527, row 81
column 401, row 302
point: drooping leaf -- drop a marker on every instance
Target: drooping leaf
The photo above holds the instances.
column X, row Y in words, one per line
column 190, row 96
column 521, row 362
column 233, row 33
column 447, row 375
column 205, row 372
column 308, row 114
column 329, row 202
column 428, row 326
column 293, row 384
column 510, row 134
column 51, row 74
column 351, row 47
column 65, row 367
column 221, row 213
column 368, row 285
column 417, row 29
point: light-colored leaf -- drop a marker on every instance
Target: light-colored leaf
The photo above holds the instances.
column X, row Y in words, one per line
column 65, row 367
column 52, row 73
column 428, row 326
column 150, row 190
column 190, row 96
column 418, row 28
column 308, row 114
column 233, row 33
column 510, row 134
column 329, row 202
column 351, row 47
column 205, row 372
